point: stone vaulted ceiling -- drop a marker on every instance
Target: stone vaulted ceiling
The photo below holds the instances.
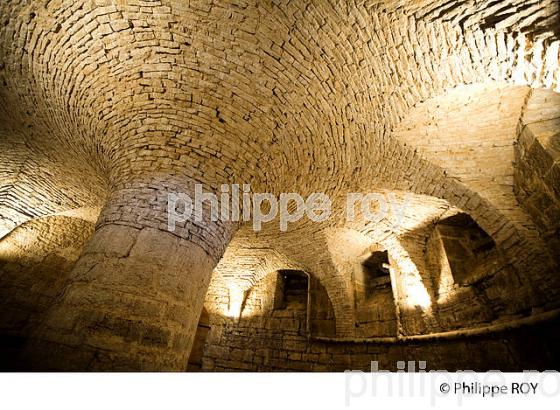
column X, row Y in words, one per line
column 99, row 98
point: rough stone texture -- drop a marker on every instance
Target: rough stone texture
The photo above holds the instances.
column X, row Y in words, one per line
column 432, row 104
column 35, row 261
column 252, row 349
column 537, row 165
column 133, row 303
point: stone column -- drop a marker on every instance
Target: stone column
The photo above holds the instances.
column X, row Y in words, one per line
column 134, row 297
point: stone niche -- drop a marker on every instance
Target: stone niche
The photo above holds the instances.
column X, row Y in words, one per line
column 302, row 302
column 463, row 266
column 374, row 300
column 291, row 292
column 469, row 250
column 375, row 273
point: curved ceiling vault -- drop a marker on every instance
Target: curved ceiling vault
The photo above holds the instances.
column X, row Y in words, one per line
column 330, row 96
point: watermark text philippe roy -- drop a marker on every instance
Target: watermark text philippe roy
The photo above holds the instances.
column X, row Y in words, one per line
column 236, row 203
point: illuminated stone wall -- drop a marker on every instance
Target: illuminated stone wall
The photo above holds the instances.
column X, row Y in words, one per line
column 438, row 106
column 234, row 348
column 537, row 166
column 35, row 261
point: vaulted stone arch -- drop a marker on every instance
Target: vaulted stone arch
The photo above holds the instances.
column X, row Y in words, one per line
column 117, row 104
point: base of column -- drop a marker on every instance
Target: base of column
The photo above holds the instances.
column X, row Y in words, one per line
column 132, row 303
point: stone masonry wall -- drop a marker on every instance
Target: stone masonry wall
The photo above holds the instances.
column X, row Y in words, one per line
column 132, row 99
column 537, row 165
column 245, row 347
column 35, row 261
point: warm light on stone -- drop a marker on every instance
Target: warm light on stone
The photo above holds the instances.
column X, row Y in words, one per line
column 437, row 121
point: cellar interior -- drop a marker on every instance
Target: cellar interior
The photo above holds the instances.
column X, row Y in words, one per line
column 446, row 112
